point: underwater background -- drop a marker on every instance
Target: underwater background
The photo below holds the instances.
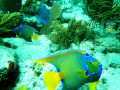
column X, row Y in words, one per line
column 34, row 29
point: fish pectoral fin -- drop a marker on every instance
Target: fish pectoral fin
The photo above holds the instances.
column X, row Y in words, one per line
column 44, row 22
column 38, row 18
column 93, row 85
column 51, row 79
column 82, row 73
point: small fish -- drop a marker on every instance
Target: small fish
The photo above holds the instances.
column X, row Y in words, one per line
column 75, row 69
column 44, row 15
column 27, row 32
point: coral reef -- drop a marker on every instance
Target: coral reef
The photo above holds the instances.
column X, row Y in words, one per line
column 8, row 21
column 30, row 7
column 74, row 29
column 3, row 75
column 111, row 44
column 8, row 75
column 112, row 25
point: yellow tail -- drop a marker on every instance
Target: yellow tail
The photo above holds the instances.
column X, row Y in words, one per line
column 51, row 79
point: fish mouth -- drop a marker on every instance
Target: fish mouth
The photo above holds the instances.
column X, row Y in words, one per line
column 88, row 73
column 99, row 71
column 94, row 76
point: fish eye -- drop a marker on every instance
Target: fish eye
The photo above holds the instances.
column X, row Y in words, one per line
column 91, row 62
column 87, row 54
column 20, row 26
column 99, row 65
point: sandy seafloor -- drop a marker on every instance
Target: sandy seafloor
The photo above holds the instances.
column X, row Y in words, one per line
column 105, row 48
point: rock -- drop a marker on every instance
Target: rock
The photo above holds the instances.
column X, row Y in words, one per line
column 99, row 49
column 113, row 59
column 102, row 59
column 86, row 45
column 111, row 44
column 8, row 67
column 111, row 75
column 73, row 12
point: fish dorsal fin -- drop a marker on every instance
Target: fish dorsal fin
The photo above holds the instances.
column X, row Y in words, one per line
column 42, row 60
column 51, row 79
column 93, row 85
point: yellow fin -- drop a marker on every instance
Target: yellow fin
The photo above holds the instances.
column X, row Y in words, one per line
column 51, row 79
column 82, row 52
column 41, row 60
column 17, row 36
column 93, row 85
column 35, row 36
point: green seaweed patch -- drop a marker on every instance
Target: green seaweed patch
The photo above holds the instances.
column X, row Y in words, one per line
column 22, row 87
column 60, row 35
column 1, row 41
column 80, row 30
column 76, row 32
column 8, row 21
column 3, row 74
column 102, row 10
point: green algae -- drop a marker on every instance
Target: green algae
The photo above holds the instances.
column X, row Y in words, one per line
column 8, row 21
column 3, row 74
column 76, row 32
column 22, row 87
column 103, row 10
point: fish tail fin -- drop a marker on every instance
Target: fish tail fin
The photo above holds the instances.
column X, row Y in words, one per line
column 93, row 85
column 51, row 79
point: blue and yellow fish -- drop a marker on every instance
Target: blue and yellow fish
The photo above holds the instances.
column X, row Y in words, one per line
column 44, row 15
column 75, row 69
column 27, row 32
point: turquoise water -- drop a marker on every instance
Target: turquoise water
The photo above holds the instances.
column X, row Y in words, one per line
column 35, row 29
